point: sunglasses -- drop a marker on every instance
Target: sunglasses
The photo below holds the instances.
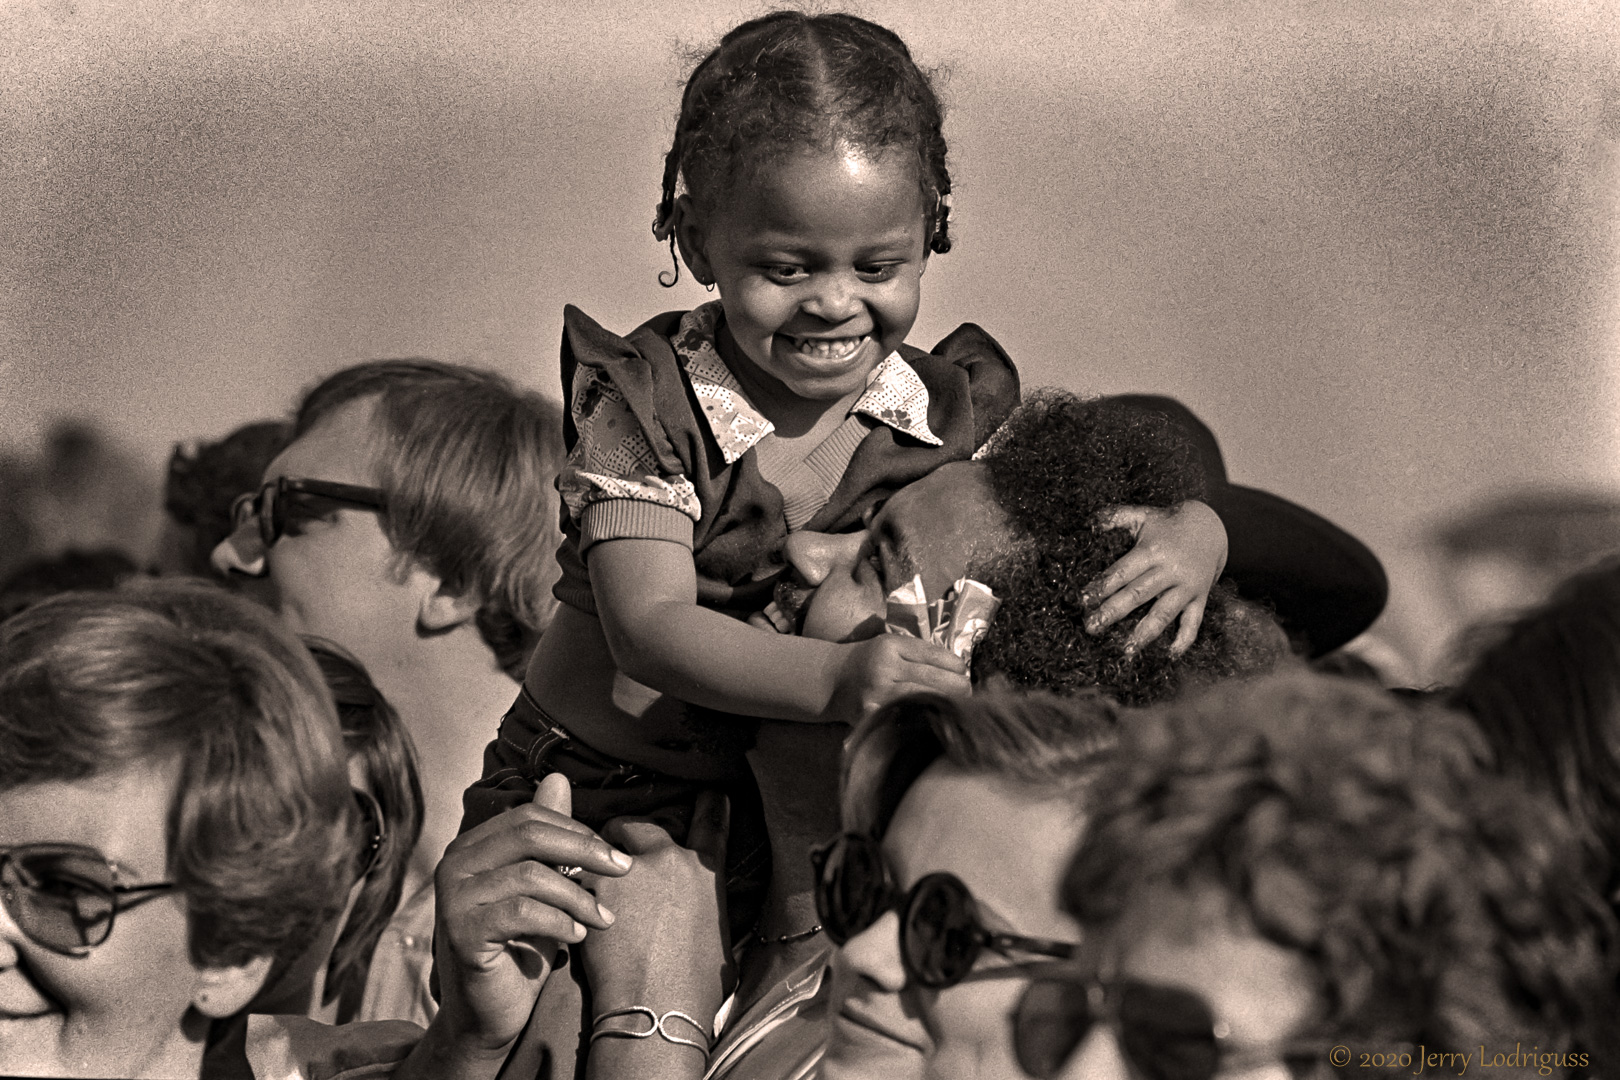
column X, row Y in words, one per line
column 64, row 896
column 941, row 935
column 282, row 500
column 376, row 830
column 1164, row 1032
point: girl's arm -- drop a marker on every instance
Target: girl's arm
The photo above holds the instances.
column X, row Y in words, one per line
column 1179, row 554
column 646, row 598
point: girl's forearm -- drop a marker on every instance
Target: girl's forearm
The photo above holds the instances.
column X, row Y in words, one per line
column 713, row 660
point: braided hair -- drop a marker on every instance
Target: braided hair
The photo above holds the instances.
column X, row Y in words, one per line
column 788, row 80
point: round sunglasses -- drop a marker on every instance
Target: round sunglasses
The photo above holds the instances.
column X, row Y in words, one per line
column 941, row 935
column 65, row 897
column 282, row 500
column 1164, row 1032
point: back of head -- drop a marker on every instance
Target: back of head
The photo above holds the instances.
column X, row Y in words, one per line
column 1547, row 697
column 792, row 81
column 1037, row 740
column 1056, row 464
column 1439, row 904
column 467, row 466
column 202, row 485
column 182, row 672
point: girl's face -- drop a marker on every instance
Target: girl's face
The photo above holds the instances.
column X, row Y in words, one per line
column 1010, row 847
column 125, row 1008
column 817, row 257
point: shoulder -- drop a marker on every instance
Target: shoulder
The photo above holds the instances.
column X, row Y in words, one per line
column 969, row 361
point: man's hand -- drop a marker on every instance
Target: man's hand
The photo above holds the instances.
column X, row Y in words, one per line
column 504, row 910
column 876, row 671
column 1179, row 555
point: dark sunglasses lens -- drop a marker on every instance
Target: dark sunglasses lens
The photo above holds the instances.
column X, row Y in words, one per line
column 939, row 932
column 62, row 900
column 1052, row 1017
column 850, row 892
column 1167, row 1033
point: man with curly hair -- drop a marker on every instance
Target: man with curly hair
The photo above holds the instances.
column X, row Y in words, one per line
column 1050, row 503
column 1303, row 869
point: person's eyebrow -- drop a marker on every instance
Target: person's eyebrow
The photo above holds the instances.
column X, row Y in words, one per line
column 899, row 559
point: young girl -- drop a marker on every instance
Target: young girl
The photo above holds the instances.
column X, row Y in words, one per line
column 807, row 183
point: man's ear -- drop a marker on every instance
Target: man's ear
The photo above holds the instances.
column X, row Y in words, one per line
column 225, row 991
column 441, row 609
column 692, row 236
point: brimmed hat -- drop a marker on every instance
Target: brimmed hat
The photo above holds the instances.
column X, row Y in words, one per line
column 1325, row 585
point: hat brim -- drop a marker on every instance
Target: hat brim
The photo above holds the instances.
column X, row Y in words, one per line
column 1325, row 586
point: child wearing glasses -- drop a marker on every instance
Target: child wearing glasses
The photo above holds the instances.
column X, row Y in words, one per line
column 175, row 818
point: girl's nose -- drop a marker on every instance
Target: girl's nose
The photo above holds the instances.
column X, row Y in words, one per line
column 242, row 552
column 816, row 555
column 874, row 954
column 835, row 300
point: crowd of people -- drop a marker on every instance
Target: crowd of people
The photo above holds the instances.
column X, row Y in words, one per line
column 794, row 703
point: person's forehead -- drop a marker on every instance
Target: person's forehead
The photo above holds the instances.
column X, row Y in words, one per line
column 341, row 447
column 1007, row 842
column 952, row 493
column 122, row 813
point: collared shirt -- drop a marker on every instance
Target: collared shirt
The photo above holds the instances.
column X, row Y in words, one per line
column 612, row 460
column 783, row 1035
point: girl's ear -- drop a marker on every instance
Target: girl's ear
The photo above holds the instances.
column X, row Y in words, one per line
column 225, row 991
column 691, row 235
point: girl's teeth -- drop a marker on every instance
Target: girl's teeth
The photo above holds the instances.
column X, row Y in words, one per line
column 828, row 349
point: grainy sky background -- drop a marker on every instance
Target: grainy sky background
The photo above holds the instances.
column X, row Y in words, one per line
column 1379, row 253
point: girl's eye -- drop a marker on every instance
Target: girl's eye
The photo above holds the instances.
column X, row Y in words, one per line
column 786, row 275
column 881, row 272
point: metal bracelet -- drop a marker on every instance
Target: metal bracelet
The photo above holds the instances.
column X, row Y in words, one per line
column 656, row 1026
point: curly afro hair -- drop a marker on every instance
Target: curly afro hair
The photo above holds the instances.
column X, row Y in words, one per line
column 1054, row 466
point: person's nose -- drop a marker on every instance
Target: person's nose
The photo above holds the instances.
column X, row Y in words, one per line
column 835, row 298
column 1098, row 1057
column 874, row 954
column 816, row 555
column 242, row 552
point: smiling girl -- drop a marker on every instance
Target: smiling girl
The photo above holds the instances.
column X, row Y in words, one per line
column 807, row 183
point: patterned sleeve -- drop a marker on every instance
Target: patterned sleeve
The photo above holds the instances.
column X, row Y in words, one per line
column 612, row 484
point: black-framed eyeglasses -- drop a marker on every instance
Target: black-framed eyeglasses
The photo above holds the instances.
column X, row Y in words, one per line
column 941, row 935
column 376, row 831
column 65, row 896
column 1164, row 1032
column 283, row 499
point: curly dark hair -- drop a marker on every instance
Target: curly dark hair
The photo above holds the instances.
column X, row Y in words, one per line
column 1437, row 903
column 202, row 484
column 787, row 80
column 1547, row 696
column 1056, row 463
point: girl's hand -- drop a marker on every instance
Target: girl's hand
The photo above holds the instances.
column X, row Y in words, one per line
column 504, row 911
column 667, row 947
column 1179, row 554
column 876, row 671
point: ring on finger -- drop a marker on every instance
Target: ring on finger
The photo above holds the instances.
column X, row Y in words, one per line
column 570, row 871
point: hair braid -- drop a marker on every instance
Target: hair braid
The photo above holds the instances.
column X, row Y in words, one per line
column 788, row 80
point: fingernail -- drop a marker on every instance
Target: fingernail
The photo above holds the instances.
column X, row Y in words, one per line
column 1130, row 651
column 620, row 859
column 1093, row 626
column 605, row 915
column 579, row 929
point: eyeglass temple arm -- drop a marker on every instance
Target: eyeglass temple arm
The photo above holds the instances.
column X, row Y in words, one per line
column 1062, row 950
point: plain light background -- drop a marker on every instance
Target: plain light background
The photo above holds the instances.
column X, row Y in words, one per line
column 1377, row 252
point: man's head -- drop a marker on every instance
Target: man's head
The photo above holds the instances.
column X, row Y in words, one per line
column 463, row 464
column 1021, row 519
